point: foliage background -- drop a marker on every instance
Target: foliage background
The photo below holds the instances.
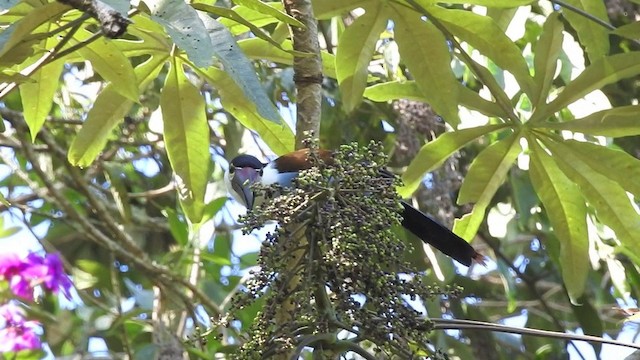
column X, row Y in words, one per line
column 113, row 152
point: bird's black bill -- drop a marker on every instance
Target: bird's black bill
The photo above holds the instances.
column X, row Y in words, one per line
column 241, row 183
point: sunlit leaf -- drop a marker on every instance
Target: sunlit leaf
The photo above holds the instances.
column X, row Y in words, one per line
column 547, row 50
column 437, row 151
column 355, row 49
column 594, row 38
column 107, row 112
column 256, row 48
column 486, row 174
column 630, row 31
column 613, row 206
column 186, row 134
column 420, row 43
column 617, row 122
column 567, row 212
column 271, row 9
column 324, row 9
column 601, row 72
column 110, row 63
column 278, row 137
column 484, row 35
column 37, row 95
column 615, row 164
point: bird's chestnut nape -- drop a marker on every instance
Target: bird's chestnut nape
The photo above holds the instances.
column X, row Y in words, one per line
column 333, row 262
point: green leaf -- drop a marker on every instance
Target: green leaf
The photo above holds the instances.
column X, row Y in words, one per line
column 547, row 50
column 237, row 66
column 594, row 37
column 107, row 112
column 255, row 18
column 259, row 49
column 230, row 14
column 485, row 35
column 409, row 90
column 567, row 212
column 489, row 169
column 279, row 138
column 37, row 95
column 491, row 3
column 110, row 63
column 19, row 34
column 426, row 53
column 212, row 208
column 630, row 31
column 487, row 172
column 186, row 134
column 325, row 9
column 178, row 228
column 185, row 27
column 613, row 206
column 270, row 9
column 617, row 122
column 589, row 319
column 601, row 72
column 437, row 151
column 355, row 50
column 615, row 164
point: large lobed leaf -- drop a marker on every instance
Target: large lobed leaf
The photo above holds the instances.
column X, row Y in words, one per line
column 486, row 173
column 617, row 122
column 424, row 50
column 613, row 206
column 437, row 151
column 567, row 212
column 547, row 50
column 355, row 49
column 594, row 38
column 601, row 72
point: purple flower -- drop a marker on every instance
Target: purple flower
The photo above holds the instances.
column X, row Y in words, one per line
column 23, row 275
column 17, row 333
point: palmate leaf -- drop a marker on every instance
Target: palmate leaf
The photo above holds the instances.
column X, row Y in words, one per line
column 107, row 112
column 409, row 90
column 547, row 49
column 424, row 50
column 617, row 165
column 355, row 50
column 437, row 151
column 482, row 33
column 617, row 122
column 613, row 206
column 594, row 38
column 186, row 135
column 256, row 18
column 486, row 173
column 567, row 212
column 601, row 72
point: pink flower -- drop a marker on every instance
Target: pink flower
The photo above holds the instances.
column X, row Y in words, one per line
column 17, row 333
column 24, row 274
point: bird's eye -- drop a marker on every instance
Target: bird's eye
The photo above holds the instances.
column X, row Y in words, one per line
column 232, row 169
column 260, row 172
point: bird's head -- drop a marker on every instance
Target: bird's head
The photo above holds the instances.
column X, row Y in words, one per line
column 244, row 170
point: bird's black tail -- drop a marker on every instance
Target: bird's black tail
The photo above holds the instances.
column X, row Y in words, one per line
column 431, row 232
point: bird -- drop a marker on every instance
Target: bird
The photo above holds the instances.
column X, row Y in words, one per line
column 245, row 170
